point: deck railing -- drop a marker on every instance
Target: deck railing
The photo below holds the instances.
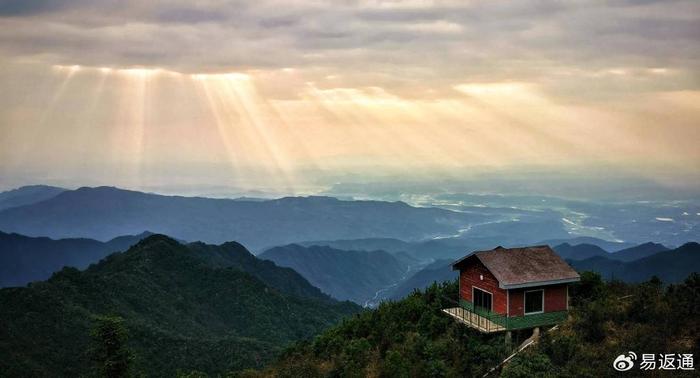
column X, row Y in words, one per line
column 495, row 322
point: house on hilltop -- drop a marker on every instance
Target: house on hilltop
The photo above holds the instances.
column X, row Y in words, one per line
column 512, row 288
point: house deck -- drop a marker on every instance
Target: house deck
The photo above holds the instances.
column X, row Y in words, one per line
column 473, row 320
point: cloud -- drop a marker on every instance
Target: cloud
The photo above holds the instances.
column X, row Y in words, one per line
column 25, row 8
column 334, row 85
column 570, row 33
column 414, row 48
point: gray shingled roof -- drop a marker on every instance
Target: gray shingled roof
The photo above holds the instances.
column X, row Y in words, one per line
column 524, row 267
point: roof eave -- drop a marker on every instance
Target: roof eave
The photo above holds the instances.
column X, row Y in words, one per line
column 454, row 264
column 539, row 283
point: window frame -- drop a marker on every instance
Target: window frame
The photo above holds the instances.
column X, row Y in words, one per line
column 485, row 291
column 525, row 302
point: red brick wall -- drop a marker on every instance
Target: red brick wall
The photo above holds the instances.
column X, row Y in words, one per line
column 554, row 299
column 469, row 277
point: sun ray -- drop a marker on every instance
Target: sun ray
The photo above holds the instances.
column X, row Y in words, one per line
column 138, row 116
column 221, row 123
column 243, row 96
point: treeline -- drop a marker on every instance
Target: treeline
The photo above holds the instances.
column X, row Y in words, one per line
column 412, row 338
column 408, row 338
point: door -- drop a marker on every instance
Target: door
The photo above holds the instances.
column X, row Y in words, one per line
column 482, row 299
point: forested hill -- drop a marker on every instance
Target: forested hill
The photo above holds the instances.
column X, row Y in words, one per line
column 413, row 338
column 235, row 255
column 184, row 307
column 408, row 338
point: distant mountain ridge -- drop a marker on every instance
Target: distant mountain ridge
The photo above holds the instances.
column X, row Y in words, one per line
column 105, row 212
column 638, row 252
column 453, row 248
column 585, row 251
column 670, row 265
column 351, row 275
column 24, row 259
column 606, row 245
column 579, row 251
column 444, row 248
column 27, row 195
column 186, row 307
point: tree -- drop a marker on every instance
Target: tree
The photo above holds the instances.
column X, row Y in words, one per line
column 527, row 365
column 589, row 288
column 109, row 351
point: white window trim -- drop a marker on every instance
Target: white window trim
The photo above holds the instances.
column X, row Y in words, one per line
column 507, row 303
column 485, row 291
column 525, row 302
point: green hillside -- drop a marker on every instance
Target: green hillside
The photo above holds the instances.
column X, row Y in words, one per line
column 412, row 338
column 182, row 312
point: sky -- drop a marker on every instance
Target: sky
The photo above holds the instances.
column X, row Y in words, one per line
column 294, row 96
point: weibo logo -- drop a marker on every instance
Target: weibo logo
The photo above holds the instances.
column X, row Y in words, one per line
column 624, row 362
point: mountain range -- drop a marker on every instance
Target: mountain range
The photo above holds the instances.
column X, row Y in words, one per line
column 27, row 195
column 24, row 259
column 442, row 248
column 317, row 267
column 456, row 247
column 585, row 251
column 186, row 307
column 637, row 252
column 606, row 245
column 363, row 276
column 105, row 212
column 579, row 251
column 669, row 265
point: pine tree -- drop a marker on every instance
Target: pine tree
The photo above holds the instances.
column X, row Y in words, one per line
column 109, row 351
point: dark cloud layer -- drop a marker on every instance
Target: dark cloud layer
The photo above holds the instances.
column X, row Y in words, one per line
column 220, row 35
column 414, row 47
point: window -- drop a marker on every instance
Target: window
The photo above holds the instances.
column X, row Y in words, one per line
column 534, row 301
column 482, row 299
